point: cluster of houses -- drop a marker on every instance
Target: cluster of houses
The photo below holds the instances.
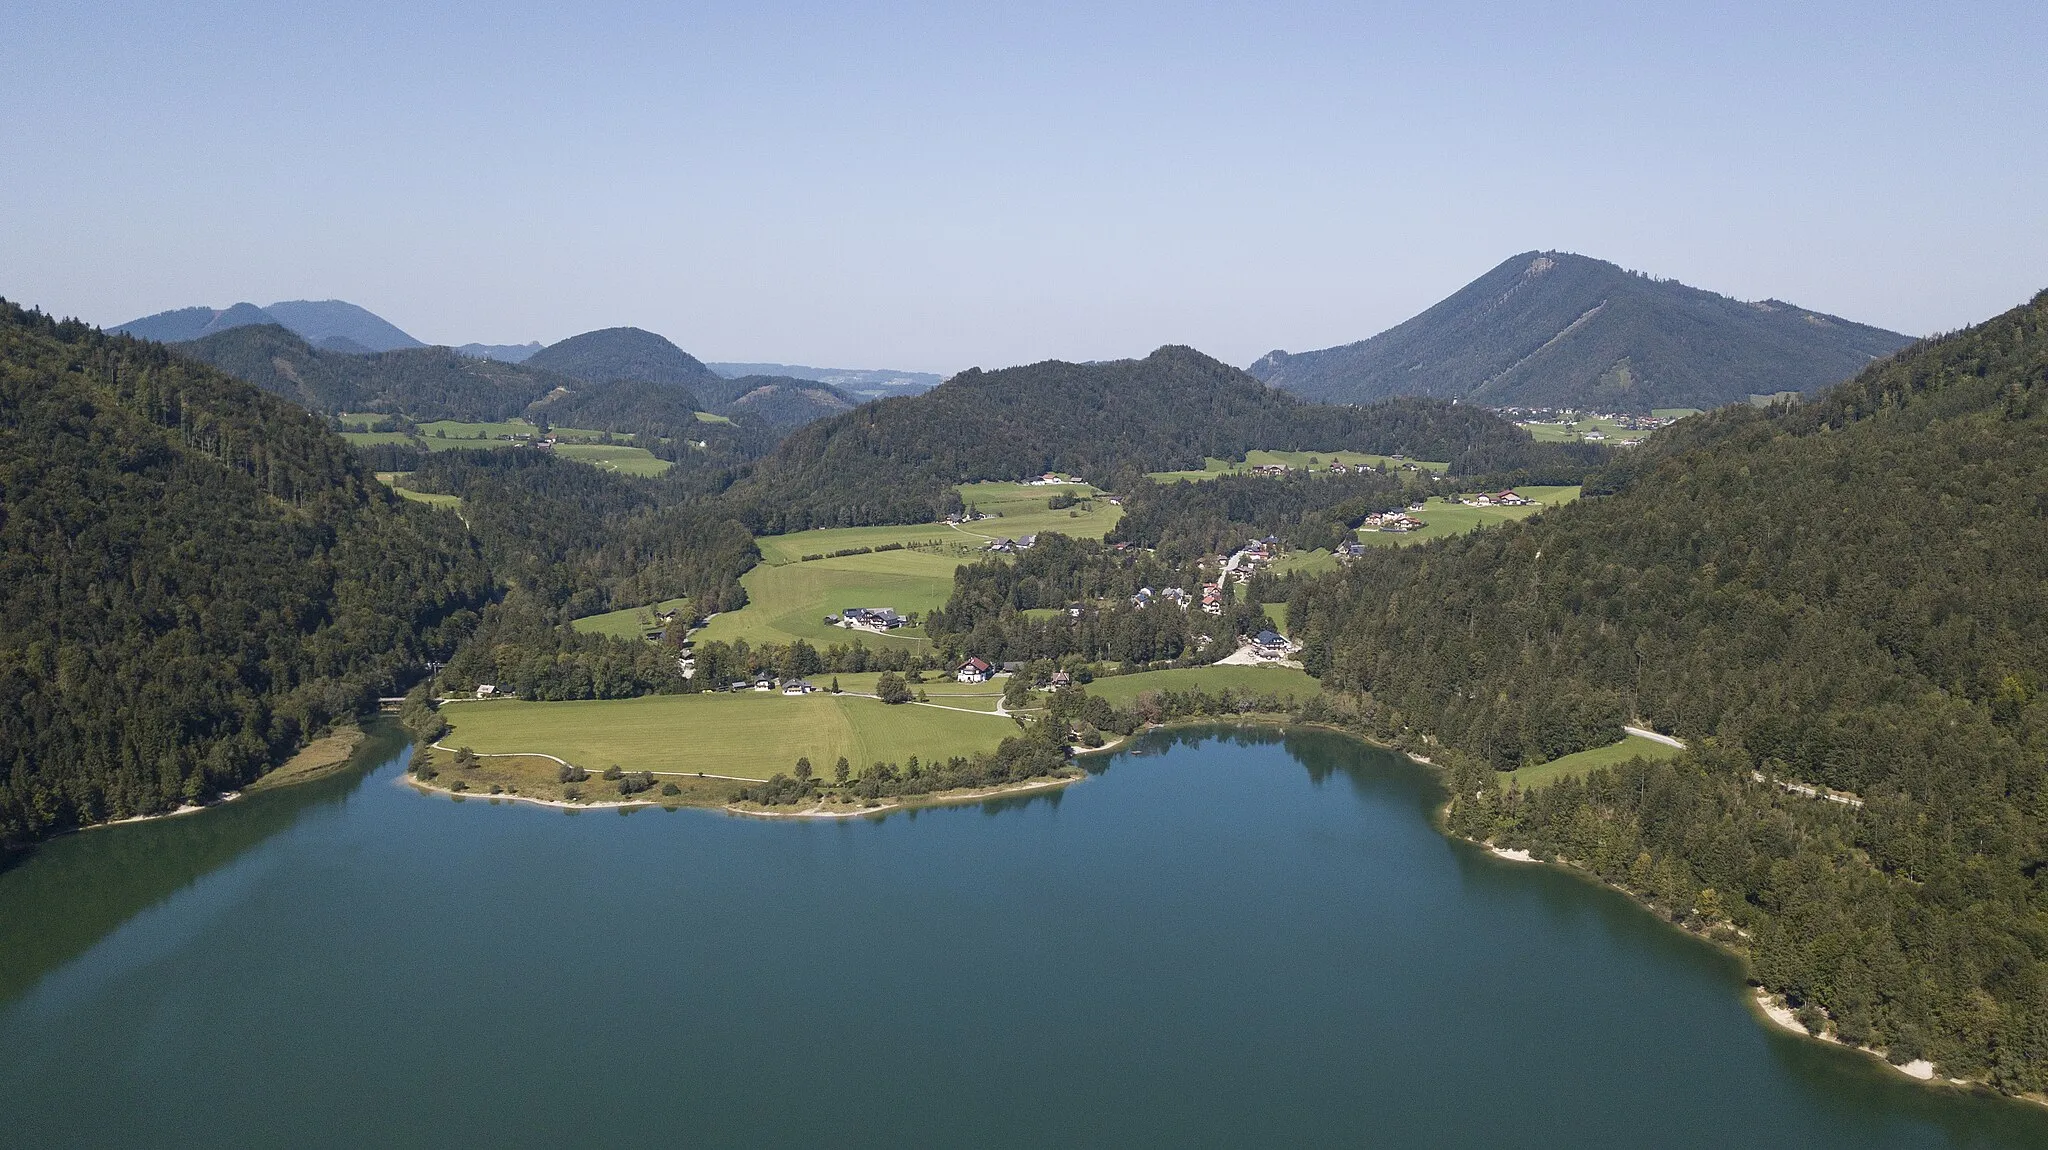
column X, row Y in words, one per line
column 967, row 517
column 1012, row 546
column 1053, row 479
column 1396, row 521
column 766, row 683
column 1146, row 596
column 877, row 619
column 1498, row 499
column 1258, row 553
column 1212, row 598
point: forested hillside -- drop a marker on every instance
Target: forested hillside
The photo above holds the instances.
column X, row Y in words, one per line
column 569, row 540
column 424, row 383
column 194, row 577
column 1850, row 593
column 1553, row 329
column 895, row 460
column 617, row 353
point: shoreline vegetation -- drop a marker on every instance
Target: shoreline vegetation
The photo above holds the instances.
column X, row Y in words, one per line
column 316, row 760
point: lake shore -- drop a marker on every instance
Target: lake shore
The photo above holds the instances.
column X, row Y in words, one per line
column 908, row 802
column 818, row 810
column 316, row 760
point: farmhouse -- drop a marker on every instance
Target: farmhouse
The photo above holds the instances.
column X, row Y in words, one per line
column 798, row 687
column 975, row 670
column 871, row 618
column 1270, row 645
column 1061, row 680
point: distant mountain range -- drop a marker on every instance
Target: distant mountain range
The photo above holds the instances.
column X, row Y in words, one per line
column 617, row 379
column 502, row 352
column 1553, row 329
column 873, row 383
column 629, row 354
column 331, row 325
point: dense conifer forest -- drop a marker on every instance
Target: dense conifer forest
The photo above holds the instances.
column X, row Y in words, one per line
column 194, row 578
column 1848, row 594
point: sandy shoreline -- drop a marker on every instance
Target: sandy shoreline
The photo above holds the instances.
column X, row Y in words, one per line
column 1774, row 1008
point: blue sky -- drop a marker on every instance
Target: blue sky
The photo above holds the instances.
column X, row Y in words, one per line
column 935, row 186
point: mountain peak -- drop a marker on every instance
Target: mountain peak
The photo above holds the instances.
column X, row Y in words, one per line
column 615, row 353
column 1559, row 329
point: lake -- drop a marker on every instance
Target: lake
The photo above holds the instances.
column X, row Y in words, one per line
column 1223, row 937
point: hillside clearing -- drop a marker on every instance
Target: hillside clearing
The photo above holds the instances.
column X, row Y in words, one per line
column 1570, row 765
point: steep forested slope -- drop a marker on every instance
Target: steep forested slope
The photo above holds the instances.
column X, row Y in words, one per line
column 894, row 460
column 194, row 576
column 1850, row 593
column 1552, row 329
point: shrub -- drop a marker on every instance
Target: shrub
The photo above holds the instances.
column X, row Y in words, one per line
column 613, row 773
column 670, row 790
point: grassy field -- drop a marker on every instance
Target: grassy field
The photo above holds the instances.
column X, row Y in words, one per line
column 1577, row 429
column 788, row 598
column 372, row 438
column 1314, row 562
column 628, row 460
column 790, row 601
column 625, row 624
column 1121, row 689
column 1022, row 510
column 1621, row 752
column 1214, row 467
column 1445, row 516
column 1277, row 613
column 941, row 689
column 778, row 549
column 750, row 734
column 395, row 480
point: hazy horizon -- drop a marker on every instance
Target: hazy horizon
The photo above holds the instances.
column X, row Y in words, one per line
column 920, row 188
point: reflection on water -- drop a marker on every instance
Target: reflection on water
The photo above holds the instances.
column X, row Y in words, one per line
column 72, row 891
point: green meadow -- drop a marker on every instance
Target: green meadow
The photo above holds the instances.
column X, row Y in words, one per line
column 789, row 601
column 1578, row 428
column 612, row 457
column 941, row 689
column 1213, row 467
column 1628, row 748
column 747, row 734
column 1120, row 690
column 1317, row 562
column 630, row 623
column 1445, row 516
column 788, row 597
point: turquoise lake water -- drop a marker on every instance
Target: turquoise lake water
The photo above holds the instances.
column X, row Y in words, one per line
column 1222, row 938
